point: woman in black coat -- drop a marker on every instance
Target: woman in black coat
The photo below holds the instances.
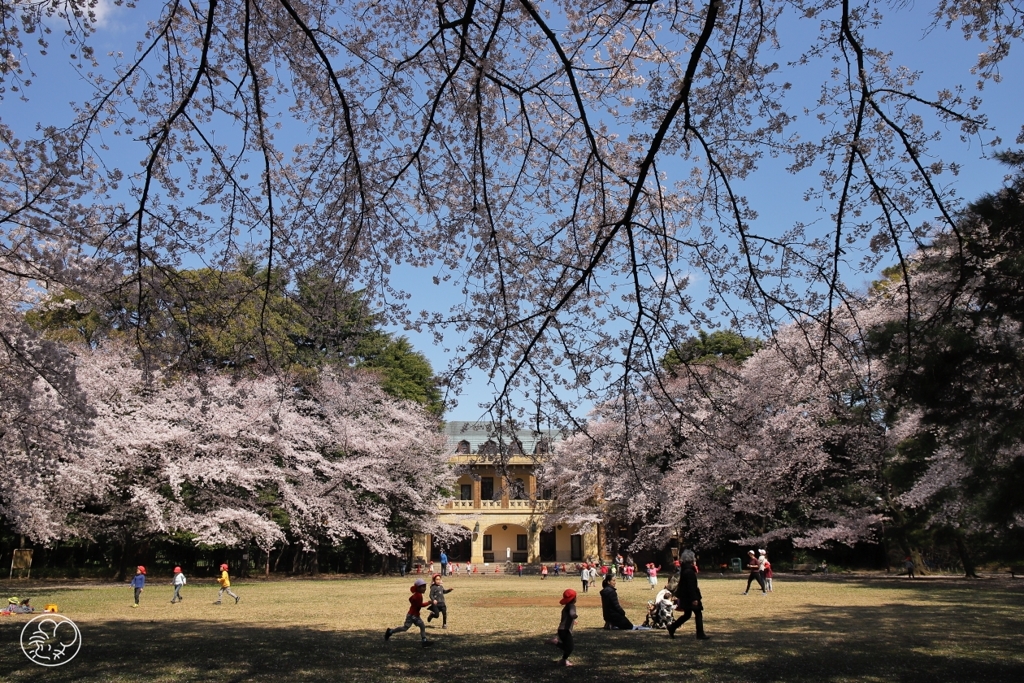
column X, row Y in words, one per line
column 614, row 615
column 688, row 596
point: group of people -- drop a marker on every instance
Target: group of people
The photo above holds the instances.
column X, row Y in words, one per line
column 591, row 572
column 138, row 584
column 686, row 598
column 760, row 570
column 435, row 604
column 447, row 568
column 16, row 606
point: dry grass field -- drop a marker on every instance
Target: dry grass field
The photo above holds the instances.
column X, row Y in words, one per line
column 810, row 629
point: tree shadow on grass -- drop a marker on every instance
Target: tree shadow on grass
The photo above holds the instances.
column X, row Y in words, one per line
column 892, row 642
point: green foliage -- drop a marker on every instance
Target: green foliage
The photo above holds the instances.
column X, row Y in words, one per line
column 405, row 372
column 246, row 319
column 960, row 360
column 68, row 318
column 711, row 348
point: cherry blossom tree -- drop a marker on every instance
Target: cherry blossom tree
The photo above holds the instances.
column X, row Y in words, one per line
column 793, row 444
column 562, row 164
column 43, row 411
column 950, row 329
column 229, row 460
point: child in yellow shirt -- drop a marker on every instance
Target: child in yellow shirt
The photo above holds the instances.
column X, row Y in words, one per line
column 225, row 585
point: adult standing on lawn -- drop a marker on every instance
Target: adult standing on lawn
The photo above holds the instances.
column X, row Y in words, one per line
column 444, row 563
column 688, row 596
column 755, row 568
column 908, row 565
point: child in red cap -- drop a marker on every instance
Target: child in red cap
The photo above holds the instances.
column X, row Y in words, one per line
column 138, row 583
column 225, row 585
column 179, row 581
column 564, row 639
column 416, row 603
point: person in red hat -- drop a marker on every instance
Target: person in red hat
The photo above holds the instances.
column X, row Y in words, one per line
column 138, row 583
column 178, row 582
column 416, row 603
column 564, row 639
column 225, row 585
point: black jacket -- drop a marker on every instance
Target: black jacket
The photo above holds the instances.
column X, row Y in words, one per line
column 610, row 607
column 687, row 591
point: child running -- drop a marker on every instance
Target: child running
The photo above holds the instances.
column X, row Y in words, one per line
column 437, row 605
column 225, row 585
column 138, row 583
column 564, row 639
column 179, row 581
column 416, row 603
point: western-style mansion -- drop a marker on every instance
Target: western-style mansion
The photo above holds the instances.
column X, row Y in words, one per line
column 503, row 510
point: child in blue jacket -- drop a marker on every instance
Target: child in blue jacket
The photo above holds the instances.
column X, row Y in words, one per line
column 138, row 583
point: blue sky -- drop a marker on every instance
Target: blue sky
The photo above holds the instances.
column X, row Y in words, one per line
column 943, row 57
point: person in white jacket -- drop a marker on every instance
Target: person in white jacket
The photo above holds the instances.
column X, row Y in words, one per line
column 179, row 581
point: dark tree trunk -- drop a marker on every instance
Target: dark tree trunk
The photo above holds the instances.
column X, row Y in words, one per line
column 965, row 557
column 122, row 558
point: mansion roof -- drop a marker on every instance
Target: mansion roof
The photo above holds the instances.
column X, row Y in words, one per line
column 486, row 438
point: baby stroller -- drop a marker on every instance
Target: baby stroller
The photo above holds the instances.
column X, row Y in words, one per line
column 659, row 614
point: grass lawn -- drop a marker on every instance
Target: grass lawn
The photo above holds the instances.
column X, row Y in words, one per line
column 835, row 629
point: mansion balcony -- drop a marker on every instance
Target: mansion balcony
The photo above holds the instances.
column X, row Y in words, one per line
column 504, row 504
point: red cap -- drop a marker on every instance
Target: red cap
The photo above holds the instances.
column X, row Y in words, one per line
column 141, row 569
column 568, row 596
column 223, row 567
column 177, row 570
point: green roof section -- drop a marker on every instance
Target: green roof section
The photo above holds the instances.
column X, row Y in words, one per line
column 488, row 438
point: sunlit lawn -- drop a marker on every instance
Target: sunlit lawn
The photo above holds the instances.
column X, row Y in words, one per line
column 835, row 629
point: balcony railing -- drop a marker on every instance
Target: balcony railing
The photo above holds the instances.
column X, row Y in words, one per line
column 519, row 505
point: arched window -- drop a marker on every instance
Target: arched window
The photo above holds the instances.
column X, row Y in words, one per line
column 463, row 447
column 518, row 490
column 543, row 446
column 488, row 448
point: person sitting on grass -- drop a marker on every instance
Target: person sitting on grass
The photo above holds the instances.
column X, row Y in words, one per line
column 416, row 603
column 614, row 615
